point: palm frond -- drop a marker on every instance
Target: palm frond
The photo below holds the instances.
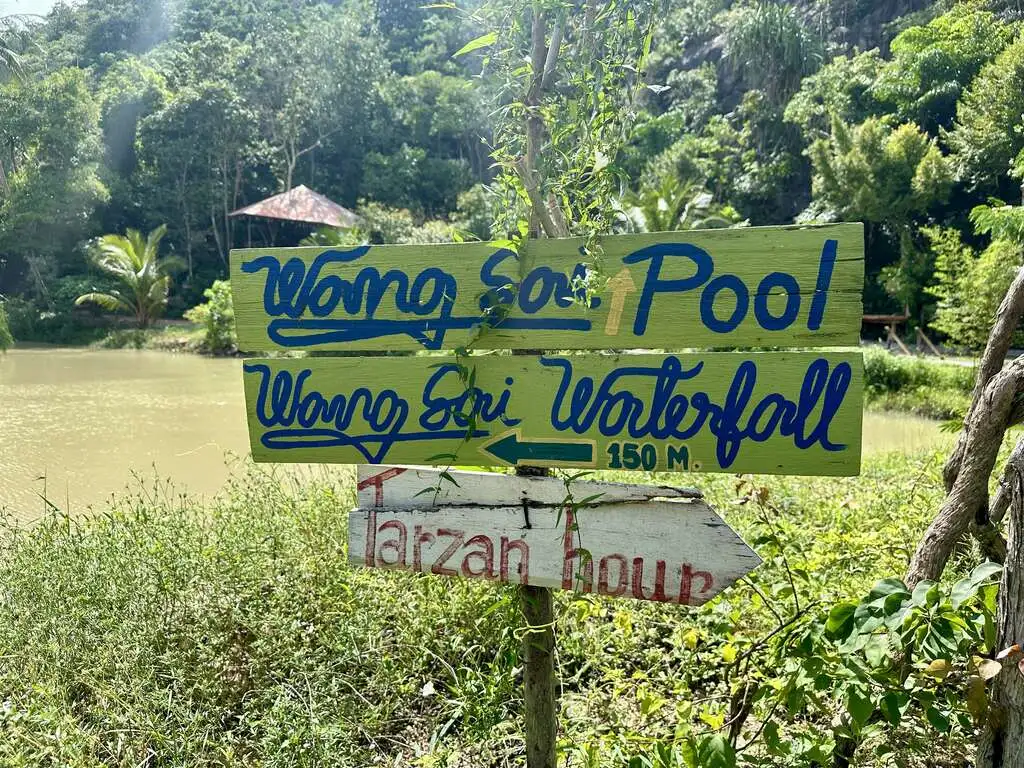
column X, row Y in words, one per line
column 157, row 292
column 172, row 265
column 153, row 240
column 105, row 300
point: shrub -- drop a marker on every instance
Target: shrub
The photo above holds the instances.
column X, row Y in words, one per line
column 384, row 225
column 217, row 317
column 55, row 321
column 885, row 373
column 124, row 338
column 932, row 389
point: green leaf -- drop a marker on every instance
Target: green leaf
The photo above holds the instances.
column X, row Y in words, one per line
column 442, row 456
column 773, row 741
column 939, row 721
column 990, row 632
column 893, row 705
column 448, row 476
column 875, row 650
column 942, row 633
column 840, row 620
column 859, row 705
column 962, row 591
column 925, row 594
column 887, row 587
column 716, row 752
column 985, row 572
column 476, row 44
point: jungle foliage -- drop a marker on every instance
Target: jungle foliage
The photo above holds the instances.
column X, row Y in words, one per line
column 140, row 113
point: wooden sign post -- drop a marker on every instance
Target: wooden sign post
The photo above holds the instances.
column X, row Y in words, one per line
column 782, row 412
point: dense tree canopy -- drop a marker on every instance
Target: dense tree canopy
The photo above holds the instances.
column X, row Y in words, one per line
column 131, row 114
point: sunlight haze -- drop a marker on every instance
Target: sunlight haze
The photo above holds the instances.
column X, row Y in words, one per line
column 26, row 6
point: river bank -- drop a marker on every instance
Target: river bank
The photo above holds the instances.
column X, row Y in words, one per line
column 171, row 337
column 924, row 387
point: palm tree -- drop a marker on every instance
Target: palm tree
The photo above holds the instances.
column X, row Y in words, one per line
column 134, row 261
column 768, row 44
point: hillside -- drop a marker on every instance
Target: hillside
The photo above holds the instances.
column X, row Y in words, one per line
column 137, row 113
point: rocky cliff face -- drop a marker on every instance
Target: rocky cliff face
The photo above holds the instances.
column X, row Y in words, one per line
column 845, row 24
column 863, row 24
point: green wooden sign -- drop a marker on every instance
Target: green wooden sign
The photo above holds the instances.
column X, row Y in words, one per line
column 796, row 413
column 753, row 287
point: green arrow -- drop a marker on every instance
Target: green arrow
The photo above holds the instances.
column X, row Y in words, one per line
column 510, row 448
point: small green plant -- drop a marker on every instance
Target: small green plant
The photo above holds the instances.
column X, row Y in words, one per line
column 217, row 318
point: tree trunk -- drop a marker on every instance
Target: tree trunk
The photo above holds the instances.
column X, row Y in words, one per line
column 1002, row 742
column 995, row 406
column 182, row 199
column 967, row 501
column 1008, row 318
column 215, row 228
column 540, row 702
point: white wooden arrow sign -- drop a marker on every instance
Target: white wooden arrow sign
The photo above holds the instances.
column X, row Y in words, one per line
column 644, row 542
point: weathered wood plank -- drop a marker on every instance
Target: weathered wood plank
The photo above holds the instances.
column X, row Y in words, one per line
column 762, row 286
column 668, row 551
column 779, row 412
column 398, row 487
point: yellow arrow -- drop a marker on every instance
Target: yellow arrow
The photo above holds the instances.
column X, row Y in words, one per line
column 622, row 285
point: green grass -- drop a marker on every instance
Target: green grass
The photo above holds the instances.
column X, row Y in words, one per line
column 927, row 388
column 165, row 633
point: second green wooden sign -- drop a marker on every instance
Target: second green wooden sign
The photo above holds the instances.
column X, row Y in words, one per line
column 783, row 413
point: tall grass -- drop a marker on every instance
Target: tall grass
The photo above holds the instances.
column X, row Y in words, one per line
column 160, row 632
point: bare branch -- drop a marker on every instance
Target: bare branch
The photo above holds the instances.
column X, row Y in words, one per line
column 1008, row 319
column 968, row 498
column 552, row 58
column 543, row 60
